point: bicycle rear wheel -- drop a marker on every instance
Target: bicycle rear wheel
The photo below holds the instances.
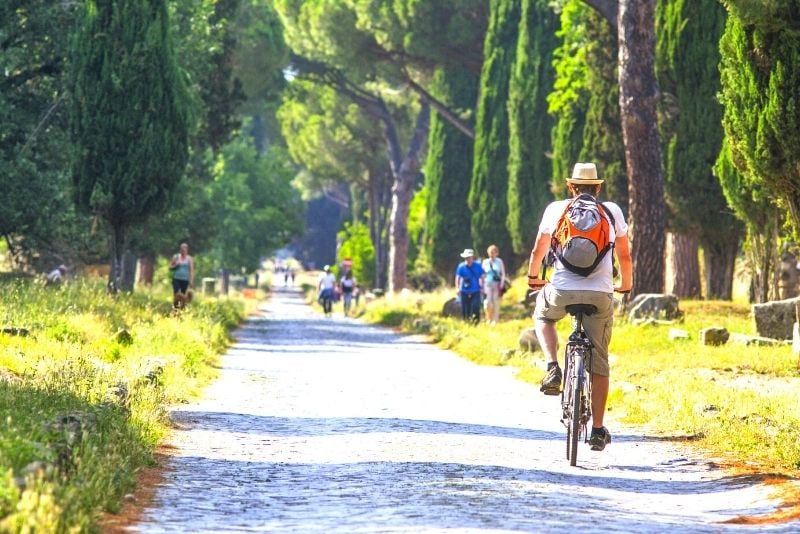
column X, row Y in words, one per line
column 574, row 422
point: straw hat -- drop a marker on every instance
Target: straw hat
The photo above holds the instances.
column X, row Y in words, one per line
column 468, row 253
column 584, row 174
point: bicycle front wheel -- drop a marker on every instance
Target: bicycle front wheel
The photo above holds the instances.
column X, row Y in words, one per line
column 574, row 423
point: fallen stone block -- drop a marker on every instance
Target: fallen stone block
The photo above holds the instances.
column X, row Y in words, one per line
column 15, row 331
column 676, row 334
column 715, row 335
column 422, row 325
column 776, row 318
column 654, row 305
column 756, row 341
column 451, row 308
column 528, row 340
column 123, row 337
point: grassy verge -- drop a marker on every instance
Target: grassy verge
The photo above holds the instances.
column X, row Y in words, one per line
column 85, row 380
column 736, row 401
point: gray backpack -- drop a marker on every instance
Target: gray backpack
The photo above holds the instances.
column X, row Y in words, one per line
column 583, row 235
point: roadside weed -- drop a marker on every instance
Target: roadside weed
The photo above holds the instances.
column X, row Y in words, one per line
column 84, row 394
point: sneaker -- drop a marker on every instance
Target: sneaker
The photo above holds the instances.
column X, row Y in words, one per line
column 599, row 438
column 551, row 383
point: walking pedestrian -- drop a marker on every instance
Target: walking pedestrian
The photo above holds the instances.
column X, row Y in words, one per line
column 326, row 287
column 348, row 285
column 182, row 267
column 469, row 284
column 595, row 286
column 495, row 270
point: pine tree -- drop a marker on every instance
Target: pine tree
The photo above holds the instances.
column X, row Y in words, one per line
column 529, row 167
column 128, row 116
column 447, row 172
column 488, row 190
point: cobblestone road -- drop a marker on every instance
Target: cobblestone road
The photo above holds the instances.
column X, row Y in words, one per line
column 330, row 425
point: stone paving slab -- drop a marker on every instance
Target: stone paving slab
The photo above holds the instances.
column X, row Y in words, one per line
column 330, row 425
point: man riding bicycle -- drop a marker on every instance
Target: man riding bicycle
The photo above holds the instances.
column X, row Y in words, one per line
column 568, row 287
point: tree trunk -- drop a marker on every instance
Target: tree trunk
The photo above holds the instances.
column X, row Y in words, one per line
column 118, row 238
column 147, row 263
column 128, row 275
column 685, row 266
column 638, row 99
column 720, row 260
column 378, row 196
column 405, row 177
column 762, row 255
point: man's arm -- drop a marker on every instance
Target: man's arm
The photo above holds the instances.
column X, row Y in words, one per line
column 538, row 253
column 623, row 251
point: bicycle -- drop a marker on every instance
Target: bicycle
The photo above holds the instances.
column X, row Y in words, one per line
column 576, row 394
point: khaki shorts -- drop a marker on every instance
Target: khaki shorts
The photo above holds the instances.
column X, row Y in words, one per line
column 551, row 307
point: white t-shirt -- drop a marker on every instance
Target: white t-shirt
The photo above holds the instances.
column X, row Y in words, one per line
column 601, row 278
column 327, row 281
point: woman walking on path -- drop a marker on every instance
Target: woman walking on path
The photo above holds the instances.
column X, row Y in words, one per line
column 182, row 267
column 348, row 285
column 495, row 271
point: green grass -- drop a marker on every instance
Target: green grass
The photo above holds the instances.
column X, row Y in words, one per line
column 735, row 401
column 73, row 367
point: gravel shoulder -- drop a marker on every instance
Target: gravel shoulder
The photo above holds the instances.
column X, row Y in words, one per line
column 330, row 425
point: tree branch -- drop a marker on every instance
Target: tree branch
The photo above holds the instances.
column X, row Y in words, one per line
column 607, row 8
column 440, row 107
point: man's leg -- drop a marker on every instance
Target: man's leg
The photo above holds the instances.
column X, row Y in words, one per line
column 548, row 339
column 599, row 398
column 465, row 306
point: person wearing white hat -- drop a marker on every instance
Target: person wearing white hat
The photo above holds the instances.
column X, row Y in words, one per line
column 569, row 287
column 469, row 284
column 326, row 286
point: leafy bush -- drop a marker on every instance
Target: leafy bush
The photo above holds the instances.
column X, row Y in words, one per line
column 357, row 246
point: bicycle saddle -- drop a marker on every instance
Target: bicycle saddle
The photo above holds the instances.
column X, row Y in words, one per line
column 585, row 309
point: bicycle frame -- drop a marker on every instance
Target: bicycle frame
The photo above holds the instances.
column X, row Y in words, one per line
column 576, row 395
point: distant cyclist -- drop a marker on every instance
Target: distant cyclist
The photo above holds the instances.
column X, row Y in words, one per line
column 326, row 286
column 567, row 287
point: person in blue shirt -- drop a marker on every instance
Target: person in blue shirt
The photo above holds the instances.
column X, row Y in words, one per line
column 469, row 283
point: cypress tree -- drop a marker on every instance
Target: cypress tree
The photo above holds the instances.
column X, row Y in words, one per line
column 586, row 102
column 569, row 99
column 448, row 169
column 529, row 167
column 688, row 70
column 602, row 133
column 760, row 74
column 760, row 84
column 128, row 116
column 762, row 220
column 488, row 190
